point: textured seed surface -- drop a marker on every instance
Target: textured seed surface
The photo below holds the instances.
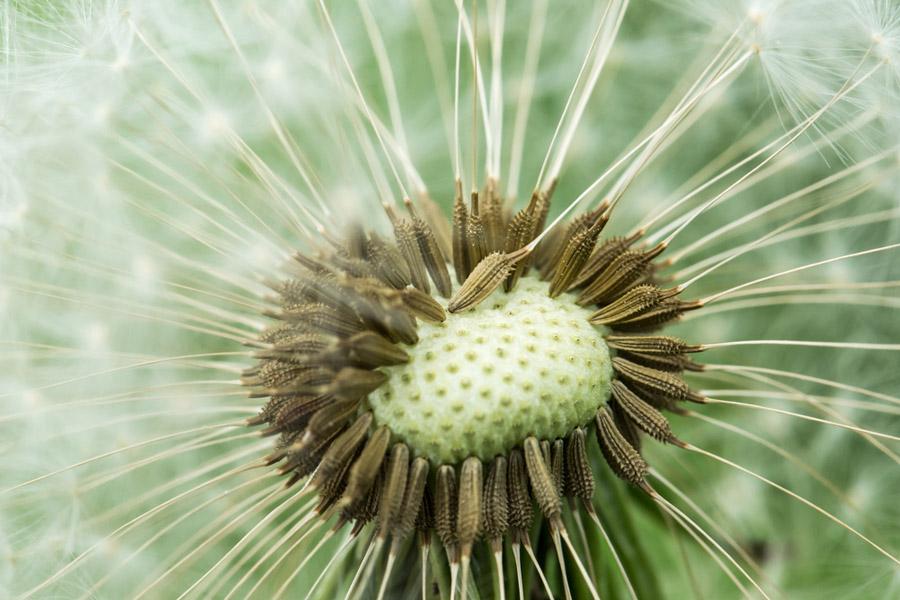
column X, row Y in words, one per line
column 518, row 365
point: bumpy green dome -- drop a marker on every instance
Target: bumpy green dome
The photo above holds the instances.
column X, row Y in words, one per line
column 519, row 364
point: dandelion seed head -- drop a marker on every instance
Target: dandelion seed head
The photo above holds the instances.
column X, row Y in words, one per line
column 133, row 295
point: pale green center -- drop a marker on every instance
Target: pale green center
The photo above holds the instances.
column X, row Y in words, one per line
column 519, row 364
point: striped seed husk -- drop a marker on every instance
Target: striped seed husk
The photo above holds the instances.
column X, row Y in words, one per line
column 468, row 515
column 484, row 279
column 495, row 507
column 621, row 456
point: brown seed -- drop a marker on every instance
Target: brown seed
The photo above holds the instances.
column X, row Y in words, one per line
column 521, row 513
column 579, row 476
column 542, row 483
column 355, row 383
column 633, row 303
column 407, row 242
column 364, row 510
column 624, row 271
column 326, row 422
column 315, row 265
column 435, row 218
column 461, row 262
column 495, row 514
column 545, row 452
column 445, row 507
column 667, row 311
column 355, row 240
column 492, row 212
column 648, row 419
column 286, row 377
column 667, row 385
column 484, row 279
column 622, row 458
column 294, row 412
column 388, row 263
column 278, row 332
column 602, row 257
column 661, row 362
column 329, row 290
column 368, row 349
column 518, row 234
column 332, row 490
column 574, row 254
column 389, row 316
column 559, row 239
column 651, row 344
column 287, row 338
column 557, row 465
column 626, row 426
column 425, row 518
column 393, row 490
column 342, row 450
column 301, row 462
column 468, row 519
column 412, row 499
column 303, row 289
column 434, row 260
column 423, row 305
column 314, row 350
column 476, row 237
column 353, row 267
column 318, row 318
column 310, row 447
column 366, row 467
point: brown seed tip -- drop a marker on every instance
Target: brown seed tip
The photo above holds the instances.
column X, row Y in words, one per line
column 622, row 458
column 484, row 279
column 468, row 520
column 542, row 484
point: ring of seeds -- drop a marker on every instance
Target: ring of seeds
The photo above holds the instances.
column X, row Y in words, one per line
column 420, row 405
